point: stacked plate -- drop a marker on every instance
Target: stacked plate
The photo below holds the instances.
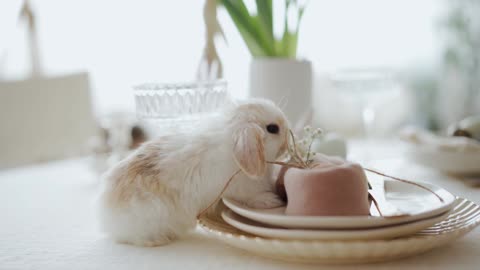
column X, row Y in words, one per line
column 454, row 162
column 427, row 222
column 418, row 209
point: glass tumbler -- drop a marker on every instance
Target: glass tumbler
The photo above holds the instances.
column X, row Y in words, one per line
column 179, row 105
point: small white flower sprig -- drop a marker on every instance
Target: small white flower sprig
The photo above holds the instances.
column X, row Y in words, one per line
column 300, row 150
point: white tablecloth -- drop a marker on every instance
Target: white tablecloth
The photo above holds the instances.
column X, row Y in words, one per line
column 48, row 222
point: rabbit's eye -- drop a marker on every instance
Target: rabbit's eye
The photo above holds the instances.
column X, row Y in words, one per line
column 273, row 128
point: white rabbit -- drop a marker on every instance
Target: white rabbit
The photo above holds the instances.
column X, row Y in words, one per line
column 154, row 195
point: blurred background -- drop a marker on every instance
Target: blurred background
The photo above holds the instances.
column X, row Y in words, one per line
column 428, row 51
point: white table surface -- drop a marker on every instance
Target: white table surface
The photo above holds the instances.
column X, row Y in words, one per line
column 49, row 222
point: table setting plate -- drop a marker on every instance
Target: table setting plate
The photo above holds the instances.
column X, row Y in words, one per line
column 388, row 232
column 419, row 203
column 464, row 217
column 455, row 162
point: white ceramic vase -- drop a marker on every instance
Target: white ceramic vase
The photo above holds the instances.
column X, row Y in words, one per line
column 287, row 82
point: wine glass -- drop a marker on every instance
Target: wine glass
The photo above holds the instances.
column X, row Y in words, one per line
column 372, row 90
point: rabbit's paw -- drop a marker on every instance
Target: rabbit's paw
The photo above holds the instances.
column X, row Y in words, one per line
column 265, row 200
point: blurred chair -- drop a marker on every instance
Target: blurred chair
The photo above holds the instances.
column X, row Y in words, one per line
column 44, row 118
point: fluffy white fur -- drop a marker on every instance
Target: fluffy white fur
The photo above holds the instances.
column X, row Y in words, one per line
column 155, row 194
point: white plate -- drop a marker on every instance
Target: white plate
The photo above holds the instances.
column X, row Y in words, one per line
column 408, row 198
column 389, row 232
column 446, row 161
column 464, row 217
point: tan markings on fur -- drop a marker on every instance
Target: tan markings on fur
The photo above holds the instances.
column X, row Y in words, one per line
column 261, row 154
column 283, row 125
column 281, row 122
column 249, row 150
column 141, row 179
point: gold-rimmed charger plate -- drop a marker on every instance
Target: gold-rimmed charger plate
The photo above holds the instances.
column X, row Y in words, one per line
column 464, row 217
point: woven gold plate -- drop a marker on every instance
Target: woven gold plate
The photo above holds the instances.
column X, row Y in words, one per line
column 464, row 217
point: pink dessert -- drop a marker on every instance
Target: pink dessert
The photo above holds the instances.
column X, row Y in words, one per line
column 332, row 187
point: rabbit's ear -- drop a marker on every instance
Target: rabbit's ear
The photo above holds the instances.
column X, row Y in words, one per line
column 248, row 150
